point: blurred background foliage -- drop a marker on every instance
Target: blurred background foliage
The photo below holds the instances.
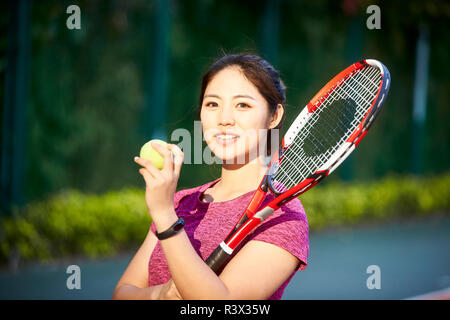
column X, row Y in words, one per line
column 88, row 111
column 85, row 117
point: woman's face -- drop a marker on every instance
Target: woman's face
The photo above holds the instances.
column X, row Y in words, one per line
column 233, row 113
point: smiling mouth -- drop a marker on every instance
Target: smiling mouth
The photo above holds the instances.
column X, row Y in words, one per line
column 226, row 139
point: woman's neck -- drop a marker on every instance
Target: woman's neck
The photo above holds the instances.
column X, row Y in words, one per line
column 241, row 178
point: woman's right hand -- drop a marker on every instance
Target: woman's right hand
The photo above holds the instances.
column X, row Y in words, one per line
column 169, row 291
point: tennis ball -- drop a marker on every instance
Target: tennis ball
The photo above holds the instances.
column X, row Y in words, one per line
column 147, row 152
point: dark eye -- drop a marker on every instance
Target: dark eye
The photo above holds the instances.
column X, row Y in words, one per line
column 243, row 105
column 211, row 104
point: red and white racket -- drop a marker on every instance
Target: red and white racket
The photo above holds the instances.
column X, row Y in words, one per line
column 325, row 132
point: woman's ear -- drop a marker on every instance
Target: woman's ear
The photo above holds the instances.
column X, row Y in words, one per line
column 276, row 117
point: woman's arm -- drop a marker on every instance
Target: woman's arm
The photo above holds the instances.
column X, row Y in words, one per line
column 134, row 282
column 256, row 271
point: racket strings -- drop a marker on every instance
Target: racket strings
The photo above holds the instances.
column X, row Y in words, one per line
column 329, row 130
column 312, row 123
column 338, row 114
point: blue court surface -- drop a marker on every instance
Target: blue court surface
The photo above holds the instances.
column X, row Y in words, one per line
column 413, row 259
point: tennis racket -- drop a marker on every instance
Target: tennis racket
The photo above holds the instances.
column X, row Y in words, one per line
column 325, row 132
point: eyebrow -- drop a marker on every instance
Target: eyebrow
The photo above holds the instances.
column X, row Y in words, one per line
column 234, row 97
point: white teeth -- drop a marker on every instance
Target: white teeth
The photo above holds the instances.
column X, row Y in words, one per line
column 225, row 137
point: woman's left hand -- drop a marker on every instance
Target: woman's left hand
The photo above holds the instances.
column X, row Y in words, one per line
column 161, row 184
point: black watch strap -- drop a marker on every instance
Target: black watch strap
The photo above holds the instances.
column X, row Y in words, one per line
column 174, row 229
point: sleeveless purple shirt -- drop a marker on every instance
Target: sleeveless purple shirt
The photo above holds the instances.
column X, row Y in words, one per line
column 208, row 223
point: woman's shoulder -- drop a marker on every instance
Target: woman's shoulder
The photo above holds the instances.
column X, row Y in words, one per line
column 292, row 210
column 294, row 207
column 287, row 228
column 290, row 220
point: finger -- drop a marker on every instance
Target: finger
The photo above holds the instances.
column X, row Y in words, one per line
column 149, row 180
column 151, row 168
column 167, row 155
column 174, row 292
column 177, row 293
column 178, row 156
column 170, row 294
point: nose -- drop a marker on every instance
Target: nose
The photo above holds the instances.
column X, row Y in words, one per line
column 226, row 117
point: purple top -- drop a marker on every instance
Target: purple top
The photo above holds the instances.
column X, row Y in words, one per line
column 208, row 223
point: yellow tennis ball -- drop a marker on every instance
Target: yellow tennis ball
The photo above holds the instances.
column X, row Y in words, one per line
column 147, row 152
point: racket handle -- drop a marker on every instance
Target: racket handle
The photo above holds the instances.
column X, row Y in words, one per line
column 217, row 259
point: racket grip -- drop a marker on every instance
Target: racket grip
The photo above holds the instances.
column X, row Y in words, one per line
column 217, row 259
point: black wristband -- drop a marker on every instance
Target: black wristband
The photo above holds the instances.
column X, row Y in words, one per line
column 174, row 229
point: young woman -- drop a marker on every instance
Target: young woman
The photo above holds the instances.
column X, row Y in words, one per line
column 240, row 95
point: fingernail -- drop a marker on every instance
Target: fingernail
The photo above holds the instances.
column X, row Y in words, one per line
column 135, row 158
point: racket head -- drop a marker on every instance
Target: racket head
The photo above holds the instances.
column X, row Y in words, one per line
column 329, row 128
column 356, row 113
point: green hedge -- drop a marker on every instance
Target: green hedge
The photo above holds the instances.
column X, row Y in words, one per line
column 72, row 223
column 395, row 197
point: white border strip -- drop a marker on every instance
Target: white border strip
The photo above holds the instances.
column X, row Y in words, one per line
column 376, row 64
column 226, row 248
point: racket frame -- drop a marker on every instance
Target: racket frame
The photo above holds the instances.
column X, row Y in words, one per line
column 252, row 217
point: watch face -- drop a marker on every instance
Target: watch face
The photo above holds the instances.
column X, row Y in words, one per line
column 172, row 230
column 178, row 226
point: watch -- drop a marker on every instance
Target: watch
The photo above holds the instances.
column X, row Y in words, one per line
column 173, row 230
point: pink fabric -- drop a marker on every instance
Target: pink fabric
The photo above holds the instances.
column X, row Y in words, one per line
column 207, row 224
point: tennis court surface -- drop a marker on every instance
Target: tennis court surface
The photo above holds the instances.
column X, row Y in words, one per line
column 413, row 258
